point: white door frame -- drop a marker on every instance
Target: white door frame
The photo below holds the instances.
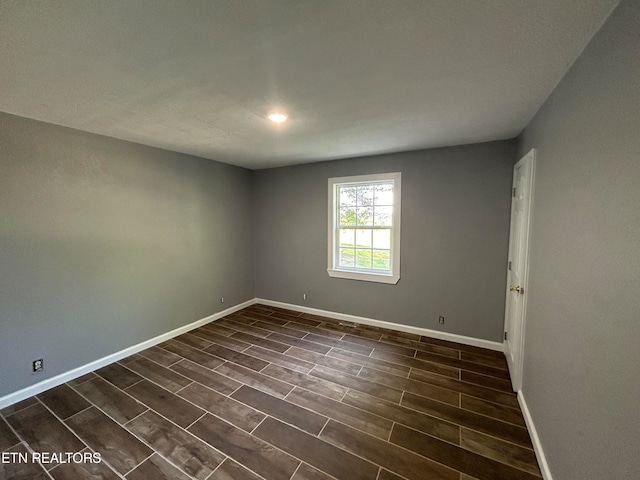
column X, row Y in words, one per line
column 514, row 347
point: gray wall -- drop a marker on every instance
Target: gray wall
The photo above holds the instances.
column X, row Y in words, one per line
column 582, row 348
column 455, row 227
column 104, row 244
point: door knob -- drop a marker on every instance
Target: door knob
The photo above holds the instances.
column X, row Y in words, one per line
column 518, row 289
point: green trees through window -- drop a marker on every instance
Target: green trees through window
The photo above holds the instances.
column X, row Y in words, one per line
column 364, row 227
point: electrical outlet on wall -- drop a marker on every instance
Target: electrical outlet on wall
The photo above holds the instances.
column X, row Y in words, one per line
column 38, row 365
column 221, row 299
column 441, row 320
column 304, row 296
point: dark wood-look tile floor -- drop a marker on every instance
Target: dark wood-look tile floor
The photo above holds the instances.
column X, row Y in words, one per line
column 273, row 394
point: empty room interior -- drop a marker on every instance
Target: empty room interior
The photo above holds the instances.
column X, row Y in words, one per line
column 320, row 239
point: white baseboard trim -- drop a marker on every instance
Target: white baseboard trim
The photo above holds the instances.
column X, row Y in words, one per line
column 452, row 337
column 40, row 387
column 537, row 446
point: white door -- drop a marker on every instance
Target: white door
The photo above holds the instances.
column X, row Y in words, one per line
column 517, row 270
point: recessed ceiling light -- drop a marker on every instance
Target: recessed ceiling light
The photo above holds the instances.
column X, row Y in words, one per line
column 277, row 117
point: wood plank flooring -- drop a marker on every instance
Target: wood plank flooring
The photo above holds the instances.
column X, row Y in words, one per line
column 272, row 394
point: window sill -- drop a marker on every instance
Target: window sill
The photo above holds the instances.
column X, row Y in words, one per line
column 365, row 277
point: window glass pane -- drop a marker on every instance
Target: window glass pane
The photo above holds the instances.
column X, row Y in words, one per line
column 383, row 216
column 384, row 194
column 382, row 239
column 363, row 258
column 347, row 195
column 348, row 216
column 382, row 259
column 365, row 216
column 363, row 239
column 347, row 257
column 365, row 195
column 348, row 238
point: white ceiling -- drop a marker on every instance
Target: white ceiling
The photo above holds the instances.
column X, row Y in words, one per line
column 357, row 77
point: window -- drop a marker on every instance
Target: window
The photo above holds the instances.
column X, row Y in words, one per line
column 364, row 228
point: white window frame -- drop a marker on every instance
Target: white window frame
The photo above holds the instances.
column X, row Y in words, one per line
column 333, row 243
